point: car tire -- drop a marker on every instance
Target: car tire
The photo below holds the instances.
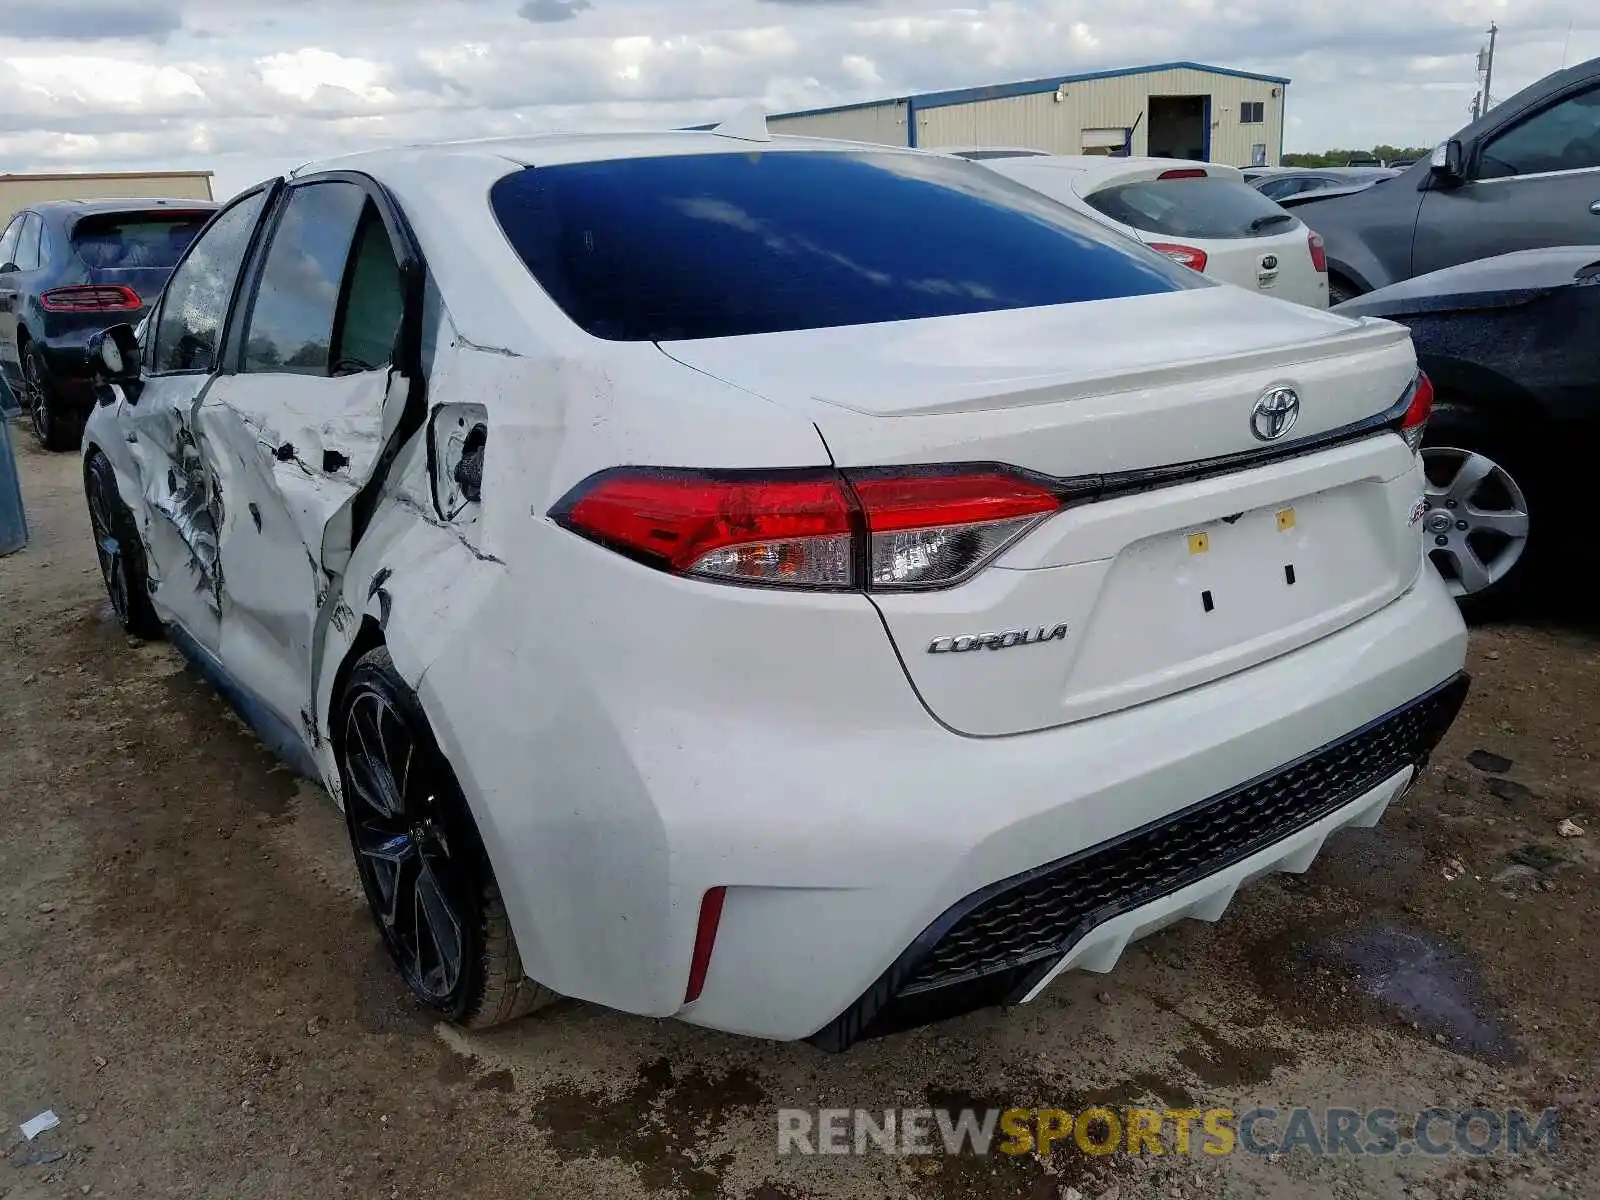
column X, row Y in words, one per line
column 53, row 428
column 422, row 863
column 121, row 553
column 1483, row 483
column 1341, row 289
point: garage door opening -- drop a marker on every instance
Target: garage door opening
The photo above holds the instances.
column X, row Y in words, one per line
column 1111, row 141
column 1180, row 127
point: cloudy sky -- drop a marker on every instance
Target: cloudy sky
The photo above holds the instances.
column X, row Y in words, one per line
column 251, row 87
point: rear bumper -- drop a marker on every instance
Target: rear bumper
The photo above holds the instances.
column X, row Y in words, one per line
column 922, row 831
column 845, row 824
column 1003, row 943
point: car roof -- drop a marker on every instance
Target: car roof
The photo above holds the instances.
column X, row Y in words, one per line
column 551, row 149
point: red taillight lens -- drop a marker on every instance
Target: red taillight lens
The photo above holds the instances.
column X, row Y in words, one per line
column 1418, row 411
column 785, row 528
column 1319, row 252
column 1189, row 256
column 91, row 297
column 1183, row 173
column 881, row 529
column 705, row 940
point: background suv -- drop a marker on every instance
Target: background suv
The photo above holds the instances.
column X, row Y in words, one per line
column 1524, row 176
column 68, row 269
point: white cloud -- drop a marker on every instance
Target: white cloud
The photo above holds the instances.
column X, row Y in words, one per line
column 249, row 88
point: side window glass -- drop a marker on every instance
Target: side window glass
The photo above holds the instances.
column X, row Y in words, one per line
column 1564, row 137
column 27, row 256
column 194, row 307
column 370, row 318
column 292, row 316
column 8, row 243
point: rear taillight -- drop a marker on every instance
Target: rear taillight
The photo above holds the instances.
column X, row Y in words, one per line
column 882, row 530
column 1189, row 256
column 1419, row 408
column 1319, row 252
column 788, row 528
column 1183, row 173
column 91, row 297
column 934, row 530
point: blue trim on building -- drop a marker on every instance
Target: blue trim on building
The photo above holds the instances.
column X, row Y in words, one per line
column 1032, row 87
column 1205, row 132
column 911, row 122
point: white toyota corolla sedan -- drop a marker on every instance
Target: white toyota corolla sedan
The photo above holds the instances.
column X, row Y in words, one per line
column 803, row 588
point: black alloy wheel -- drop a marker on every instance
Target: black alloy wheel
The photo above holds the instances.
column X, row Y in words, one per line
column 119, row 550
column 422, row 864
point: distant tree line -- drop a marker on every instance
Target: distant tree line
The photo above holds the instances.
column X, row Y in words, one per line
column 1339, row 158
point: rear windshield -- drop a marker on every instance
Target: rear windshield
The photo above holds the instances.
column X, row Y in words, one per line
column 718, row 245
column 127, row 240
column 1197, row 208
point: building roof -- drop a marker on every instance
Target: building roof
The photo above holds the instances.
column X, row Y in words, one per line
column 53, row 177
column 1029, row 87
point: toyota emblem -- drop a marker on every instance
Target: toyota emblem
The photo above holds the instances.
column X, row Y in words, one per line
column 1275, row 413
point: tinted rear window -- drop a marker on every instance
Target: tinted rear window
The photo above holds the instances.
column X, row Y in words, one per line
column 1197, row 208
column 717, row 245
column 129, row 240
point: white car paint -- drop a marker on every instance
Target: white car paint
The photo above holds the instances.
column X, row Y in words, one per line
column 630, row 739
column 1072, row 179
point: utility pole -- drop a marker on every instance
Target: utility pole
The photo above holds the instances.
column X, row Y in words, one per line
column 1486, row 65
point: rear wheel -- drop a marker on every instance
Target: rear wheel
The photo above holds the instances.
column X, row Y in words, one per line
column 422, row 863
column 53, row 428
column 121, row 553
column 1341, row 289
column 1483, row 527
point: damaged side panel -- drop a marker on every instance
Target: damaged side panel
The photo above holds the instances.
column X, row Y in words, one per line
column 182, row 510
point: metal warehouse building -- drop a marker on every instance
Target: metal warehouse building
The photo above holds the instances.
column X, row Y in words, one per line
column 1176, row 110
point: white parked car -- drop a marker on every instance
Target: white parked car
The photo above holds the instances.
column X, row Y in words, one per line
column 712, row 594
column 1203, row 215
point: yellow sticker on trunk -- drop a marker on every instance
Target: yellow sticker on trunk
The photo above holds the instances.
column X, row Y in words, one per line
column 1199, row 543
column 1285, row 519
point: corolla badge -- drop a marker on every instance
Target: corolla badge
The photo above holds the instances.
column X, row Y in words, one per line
column 1275, row 413
column 997, row 641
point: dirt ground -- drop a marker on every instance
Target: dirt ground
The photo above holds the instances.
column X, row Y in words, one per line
column 189, row 979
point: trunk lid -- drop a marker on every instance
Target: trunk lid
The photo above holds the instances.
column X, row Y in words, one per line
column 1160, row 589
column 1278, row 263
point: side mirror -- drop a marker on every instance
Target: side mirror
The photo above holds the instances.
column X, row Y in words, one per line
column 9, row 268
column 1449, row 162
column 114, row 358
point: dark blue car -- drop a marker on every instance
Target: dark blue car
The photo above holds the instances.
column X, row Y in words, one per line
column 68, row 269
